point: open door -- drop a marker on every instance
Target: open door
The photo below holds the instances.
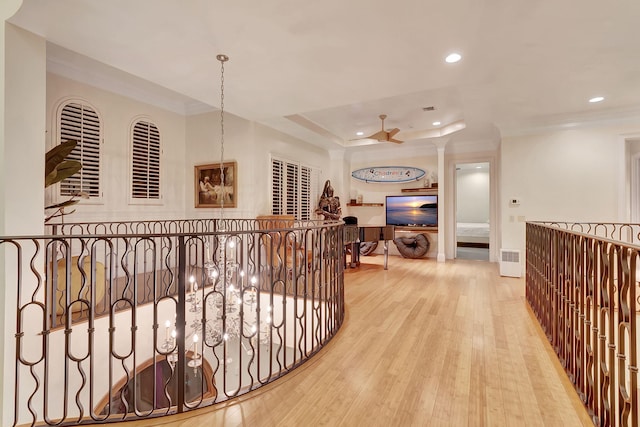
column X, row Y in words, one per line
column 473, row 226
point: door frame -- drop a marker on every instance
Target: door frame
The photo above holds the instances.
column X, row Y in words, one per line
column 455, row 201
column 450, row 194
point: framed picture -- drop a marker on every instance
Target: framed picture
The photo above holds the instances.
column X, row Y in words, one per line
column 210, row 191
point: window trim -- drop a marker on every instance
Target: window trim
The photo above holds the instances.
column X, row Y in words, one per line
column 52, row 195
column 134, row 200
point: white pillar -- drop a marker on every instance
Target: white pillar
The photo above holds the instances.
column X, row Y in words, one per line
column 7, row 9
column 22, row 148
column 440, row 145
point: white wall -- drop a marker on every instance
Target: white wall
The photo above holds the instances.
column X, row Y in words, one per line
column 250, row 145
column 632, row 179
column 425, row 159
column 564, row 175
column 24, row 131
column 117, row 114
column 472, row 195
column 186, row 141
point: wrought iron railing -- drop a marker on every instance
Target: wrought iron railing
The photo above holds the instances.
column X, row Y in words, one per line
column 582, row 284
column 131, row 320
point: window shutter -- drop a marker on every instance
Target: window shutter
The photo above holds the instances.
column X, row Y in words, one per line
column 145, row 161
column 81, row 123
column 294, row 188
column 305, row 193
column 277, row 184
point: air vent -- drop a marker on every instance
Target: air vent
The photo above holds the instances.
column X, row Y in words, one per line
column 510, row 256
column 510, row 263
column 428, row 108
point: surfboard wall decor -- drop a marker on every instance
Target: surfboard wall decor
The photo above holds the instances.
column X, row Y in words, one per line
column 389, row 174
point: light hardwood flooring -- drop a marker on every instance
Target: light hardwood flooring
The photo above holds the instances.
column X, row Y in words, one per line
column 423, row 344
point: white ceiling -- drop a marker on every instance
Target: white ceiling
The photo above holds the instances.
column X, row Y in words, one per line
column 322, row 71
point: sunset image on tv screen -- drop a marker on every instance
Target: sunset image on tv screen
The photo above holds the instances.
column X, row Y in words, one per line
column 420, row 211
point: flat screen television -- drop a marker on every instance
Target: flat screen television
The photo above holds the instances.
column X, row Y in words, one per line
column 412, row 211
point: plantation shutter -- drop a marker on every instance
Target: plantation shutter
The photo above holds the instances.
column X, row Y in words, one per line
column 82, row 124
column 294, row 188
column 292, row 206
column 305, row 193
column 145, row 161
column 277, row 180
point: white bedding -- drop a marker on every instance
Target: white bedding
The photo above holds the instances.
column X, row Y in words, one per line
column 472, row 232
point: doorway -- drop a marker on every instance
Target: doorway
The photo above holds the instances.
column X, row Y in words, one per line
column 633, row 155
column 472, row 184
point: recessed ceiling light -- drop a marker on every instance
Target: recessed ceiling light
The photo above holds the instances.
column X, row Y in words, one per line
column 436, row 123
column 478, row 167
column 596, row 99
column 453, row 57
column 359, row 133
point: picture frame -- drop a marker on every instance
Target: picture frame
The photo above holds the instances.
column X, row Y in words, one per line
column 208, row 191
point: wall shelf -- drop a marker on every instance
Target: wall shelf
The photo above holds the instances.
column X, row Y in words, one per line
column 365, row 204
column 419, row 190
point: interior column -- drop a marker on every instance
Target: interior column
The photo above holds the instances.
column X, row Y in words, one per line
column 440, row 145
column 22, row 153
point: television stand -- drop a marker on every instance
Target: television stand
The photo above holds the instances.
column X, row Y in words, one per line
column 422, row 229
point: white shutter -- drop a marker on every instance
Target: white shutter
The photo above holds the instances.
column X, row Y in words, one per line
column 277, row 185
column 145, row 161
column 291, row 202
column 294, row 188
column 81, row 123
column 305, row 193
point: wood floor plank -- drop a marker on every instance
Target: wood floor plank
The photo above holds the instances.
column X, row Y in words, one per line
column 423, row 344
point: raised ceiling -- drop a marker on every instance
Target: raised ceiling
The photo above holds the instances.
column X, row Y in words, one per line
column 321, row 71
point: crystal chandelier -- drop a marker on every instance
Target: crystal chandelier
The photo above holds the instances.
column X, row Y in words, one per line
column 230, row 298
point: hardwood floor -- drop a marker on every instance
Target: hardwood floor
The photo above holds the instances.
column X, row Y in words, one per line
column 423, row 344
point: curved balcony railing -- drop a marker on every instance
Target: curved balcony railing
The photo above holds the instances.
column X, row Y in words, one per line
column 582, row 284
column 131, row 320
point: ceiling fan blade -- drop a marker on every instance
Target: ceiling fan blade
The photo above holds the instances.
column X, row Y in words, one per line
column 384, row 136
column 380, row 136
column 392, row 132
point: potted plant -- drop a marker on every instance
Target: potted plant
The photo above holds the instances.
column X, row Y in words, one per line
column 57, row 168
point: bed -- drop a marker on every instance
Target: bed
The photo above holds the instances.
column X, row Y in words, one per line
column 472, row 234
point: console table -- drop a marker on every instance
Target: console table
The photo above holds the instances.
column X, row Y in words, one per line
column 368, row 233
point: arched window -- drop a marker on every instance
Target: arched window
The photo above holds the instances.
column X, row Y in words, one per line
column 81, row 123
column 145, row 161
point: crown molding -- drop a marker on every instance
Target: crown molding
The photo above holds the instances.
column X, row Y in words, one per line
column 570, row 121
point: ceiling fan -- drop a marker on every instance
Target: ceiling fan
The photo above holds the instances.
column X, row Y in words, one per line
column 383, row 135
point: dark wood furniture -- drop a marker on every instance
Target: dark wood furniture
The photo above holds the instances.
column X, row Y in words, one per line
column 368, row 233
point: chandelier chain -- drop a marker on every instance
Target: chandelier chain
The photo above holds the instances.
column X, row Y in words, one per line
column 222, row 59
